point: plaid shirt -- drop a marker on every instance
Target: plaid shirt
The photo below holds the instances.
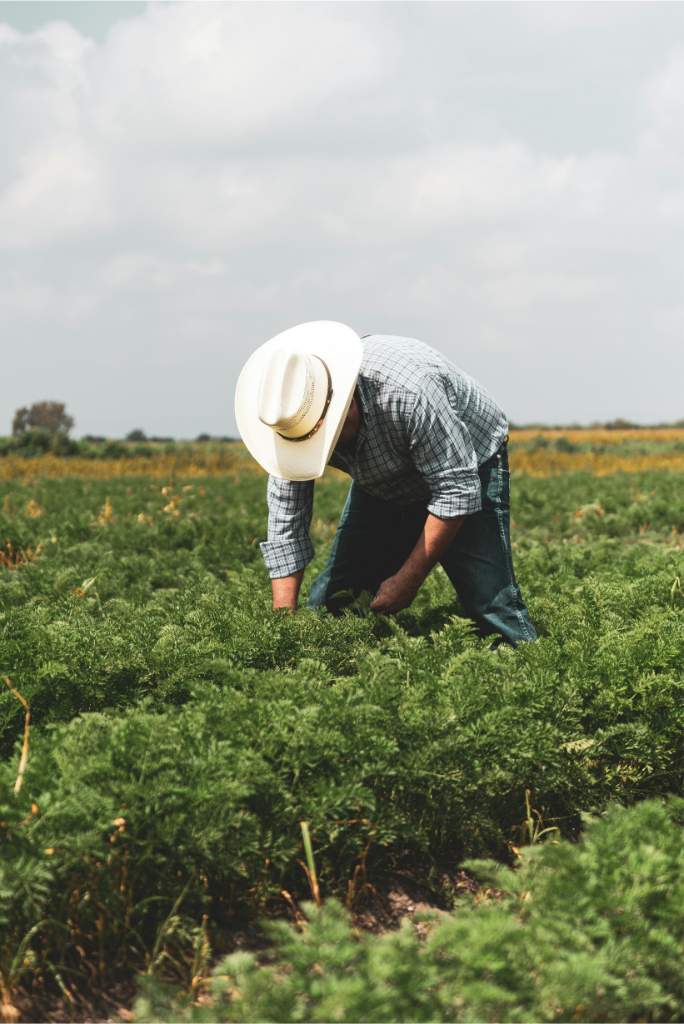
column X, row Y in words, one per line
column 426, row 427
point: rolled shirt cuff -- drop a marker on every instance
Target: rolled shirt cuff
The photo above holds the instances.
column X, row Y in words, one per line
column 451, row 506
column 285, row 557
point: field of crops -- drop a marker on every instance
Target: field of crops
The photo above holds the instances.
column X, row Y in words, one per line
column 533, row 452
column 180, row 732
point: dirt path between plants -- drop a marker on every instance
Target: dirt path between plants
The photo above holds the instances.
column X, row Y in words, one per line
column 378, row 909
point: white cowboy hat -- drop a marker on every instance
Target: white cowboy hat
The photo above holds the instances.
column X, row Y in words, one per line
column 293, row 396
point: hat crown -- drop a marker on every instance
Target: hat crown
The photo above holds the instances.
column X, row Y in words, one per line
column 272, row 390
column 288, row 391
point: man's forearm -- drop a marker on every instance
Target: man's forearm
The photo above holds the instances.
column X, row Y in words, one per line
column 433, row 542
column 399, row 590
column 286, row 590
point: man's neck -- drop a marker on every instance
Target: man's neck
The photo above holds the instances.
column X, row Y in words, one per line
column 352, row 425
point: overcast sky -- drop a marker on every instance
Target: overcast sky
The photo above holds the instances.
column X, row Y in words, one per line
column 181, row 181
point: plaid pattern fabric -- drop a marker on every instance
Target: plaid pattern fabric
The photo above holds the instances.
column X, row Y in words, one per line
column 426, row 427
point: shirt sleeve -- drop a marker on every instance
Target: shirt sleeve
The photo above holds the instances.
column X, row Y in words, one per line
column 442, row 451
column 290, row 507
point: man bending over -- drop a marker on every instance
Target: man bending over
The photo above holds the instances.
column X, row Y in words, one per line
column 425, row 446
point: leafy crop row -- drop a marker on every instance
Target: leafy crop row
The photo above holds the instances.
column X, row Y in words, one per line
column 117, row 460
column 600, row 452
column 181, row 731
column 38, row 453
column 586, row 933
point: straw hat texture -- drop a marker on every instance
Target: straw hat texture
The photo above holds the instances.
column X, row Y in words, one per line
column 293, row 396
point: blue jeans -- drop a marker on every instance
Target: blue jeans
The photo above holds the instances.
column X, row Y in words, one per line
column 375, row 537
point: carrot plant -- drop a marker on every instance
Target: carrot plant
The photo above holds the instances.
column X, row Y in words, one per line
column 584, row 932
column 181, row 731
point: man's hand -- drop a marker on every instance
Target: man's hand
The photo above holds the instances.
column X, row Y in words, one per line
column 399, row 591
column 396, row 593
column 286, row 591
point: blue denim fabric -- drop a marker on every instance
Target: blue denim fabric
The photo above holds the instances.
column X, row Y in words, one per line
column 375, row 537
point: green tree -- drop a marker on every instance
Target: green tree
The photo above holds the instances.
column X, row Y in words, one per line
column 49, row 416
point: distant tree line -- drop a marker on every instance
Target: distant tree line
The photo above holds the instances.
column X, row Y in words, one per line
column 45, row 426
column 42, row 428
column 618, row 424
column 140, row 437
column 48, row 416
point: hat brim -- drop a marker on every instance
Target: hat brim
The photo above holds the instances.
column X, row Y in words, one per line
column 341, row 350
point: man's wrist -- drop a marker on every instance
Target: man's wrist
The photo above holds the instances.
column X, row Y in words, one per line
column 413, row 576
column 286, row 590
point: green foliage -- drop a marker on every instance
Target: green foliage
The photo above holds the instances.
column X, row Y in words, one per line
column 579, row 507
column 583, row 932
column 578, row 442
column 33, row 441
column 48, row 417
column 182, row 731
column 359, row 603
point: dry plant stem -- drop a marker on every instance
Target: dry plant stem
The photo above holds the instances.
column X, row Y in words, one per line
column 299, row 917
column 315, row 892
column 65, row 992
column 311, row 869
column 162, row 931
column 352, row 893
column 8, row 1012
column 535, row 831
column 24, row 749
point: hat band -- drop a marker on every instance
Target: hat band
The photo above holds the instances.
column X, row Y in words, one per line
column 305, row 437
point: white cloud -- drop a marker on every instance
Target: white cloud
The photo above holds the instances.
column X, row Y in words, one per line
column 663, row 141
column 208, row 75
column 155, row 211
column 59, row 192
